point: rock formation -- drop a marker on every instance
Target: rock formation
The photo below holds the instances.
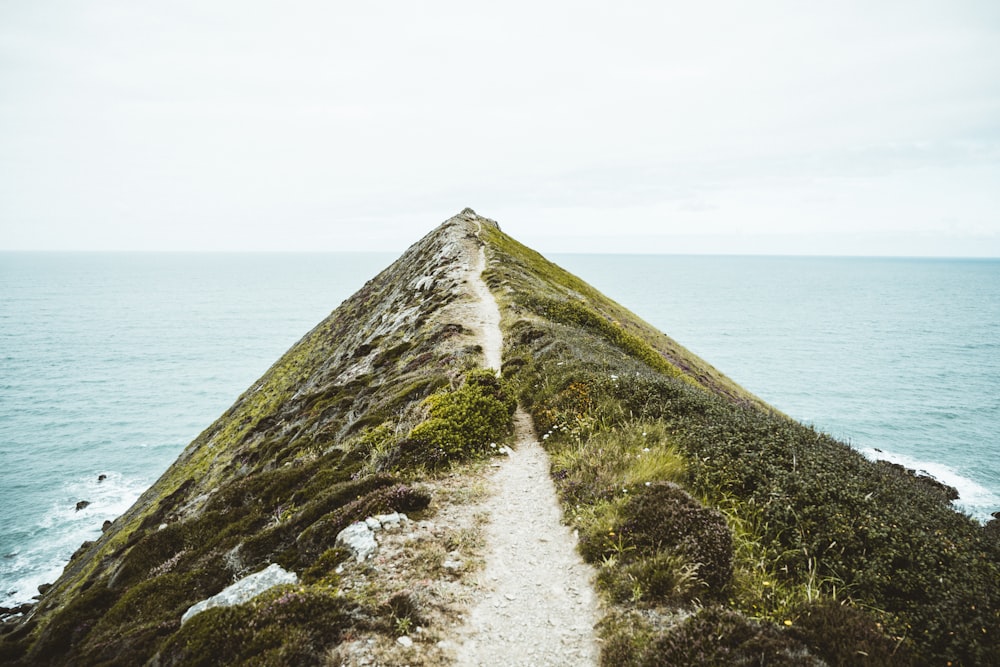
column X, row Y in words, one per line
column 721, row 532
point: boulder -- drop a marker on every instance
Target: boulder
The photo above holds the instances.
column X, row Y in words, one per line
column 359, row 539
column 80, row 505
column 244, row 590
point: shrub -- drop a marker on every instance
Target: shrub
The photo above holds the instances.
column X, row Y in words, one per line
column 844, row 635
column 659, row 578
column 662, row 517
column 464, row 422
column 717, row 636
column 288, row 625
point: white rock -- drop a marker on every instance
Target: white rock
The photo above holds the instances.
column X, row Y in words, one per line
column 359, row 539
column 390, row 521
column 405, row 641
column 244, row 590
column 373, row 523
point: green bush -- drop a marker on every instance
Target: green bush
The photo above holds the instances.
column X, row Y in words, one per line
column 660, row 578
column 662, row 517
column 289, row 626
column 716, row 636
column 844, row 635
column 463, row 423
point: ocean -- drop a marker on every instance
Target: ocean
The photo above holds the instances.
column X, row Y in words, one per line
column 111, row 363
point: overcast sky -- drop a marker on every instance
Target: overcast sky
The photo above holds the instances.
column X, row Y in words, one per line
column 712, row 127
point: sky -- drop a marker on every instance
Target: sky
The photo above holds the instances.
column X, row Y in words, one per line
column 799, row 127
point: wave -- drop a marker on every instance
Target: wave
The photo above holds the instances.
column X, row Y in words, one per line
column 43, row 549
column 973, row 498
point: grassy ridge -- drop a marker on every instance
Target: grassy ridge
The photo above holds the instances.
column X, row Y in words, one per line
column 698, row 502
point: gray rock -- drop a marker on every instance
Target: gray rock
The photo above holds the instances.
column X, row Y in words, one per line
column 392, row 521
column 244, row 590
column 359, row 539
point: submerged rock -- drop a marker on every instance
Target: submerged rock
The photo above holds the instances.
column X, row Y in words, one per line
column 82, row 504
column 244, row 590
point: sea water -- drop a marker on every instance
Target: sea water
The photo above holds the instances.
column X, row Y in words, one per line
column 898, row 357
column 111, row 363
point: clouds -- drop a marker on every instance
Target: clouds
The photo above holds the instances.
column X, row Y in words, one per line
column 256, row 126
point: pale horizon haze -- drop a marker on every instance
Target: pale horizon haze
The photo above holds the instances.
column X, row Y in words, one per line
column 849, row 128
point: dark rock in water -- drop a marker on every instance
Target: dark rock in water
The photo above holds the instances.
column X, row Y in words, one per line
column 105, row 526
column 80, row 505
column 42, row 588
column 101, row 478
column 21, row 609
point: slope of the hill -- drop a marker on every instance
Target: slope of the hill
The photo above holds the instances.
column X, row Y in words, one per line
column 725, row 532
column 721, row 531
column 338, row 430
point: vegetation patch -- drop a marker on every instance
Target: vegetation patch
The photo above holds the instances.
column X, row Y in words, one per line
column 463, row 423
column 289, row 625
column 778, row 524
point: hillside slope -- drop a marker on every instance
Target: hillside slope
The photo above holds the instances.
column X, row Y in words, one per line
column 721, row 531
column 725, row 532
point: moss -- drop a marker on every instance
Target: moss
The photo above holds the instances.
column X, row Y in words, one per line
column 324, row 567
column 70, row 626
column 293, row 624
column 154, row 549
column 463, row 423
column 133, row 628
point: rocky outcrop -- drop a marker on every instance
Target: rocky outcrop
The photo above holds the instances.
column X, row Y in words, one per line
column 244, row 590
column 359, row 538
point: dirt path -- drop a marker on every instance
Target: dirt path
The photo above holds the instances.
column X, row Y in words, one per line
column 536, row 604
column 488, row 312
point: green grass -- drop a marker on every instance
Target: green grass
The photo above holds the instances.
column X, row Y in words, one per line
column 813, row 527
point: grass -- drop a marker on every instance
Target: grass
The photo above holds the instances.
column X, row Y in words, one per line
column 815, row 532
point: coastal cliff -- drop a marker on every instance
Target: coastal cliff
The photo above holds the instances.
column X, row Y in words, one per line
column 718, row 529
